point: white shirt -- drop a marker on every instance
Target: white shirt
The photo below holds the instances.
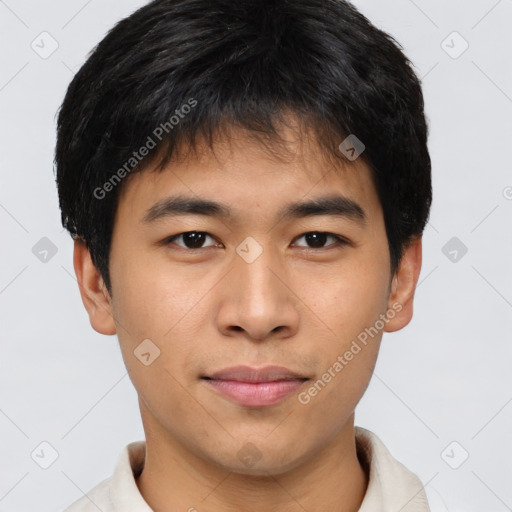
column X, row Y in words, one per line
column 391, row 487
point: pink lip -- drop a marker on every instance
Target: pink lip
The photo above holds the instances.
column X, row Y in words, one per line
column 253, row 387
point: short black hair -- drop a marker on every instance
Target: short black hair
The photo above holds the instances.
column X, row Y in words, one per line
column 177, row 70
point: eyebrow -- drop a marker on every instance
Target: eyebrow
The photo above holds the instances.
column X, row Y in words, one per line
column 332, row 205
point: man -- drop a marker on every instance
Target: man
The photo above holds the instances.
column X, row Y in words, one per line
column 247, row 184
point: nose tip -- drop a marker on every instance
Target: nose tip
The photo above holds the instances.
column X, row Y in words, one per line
column 259, row 304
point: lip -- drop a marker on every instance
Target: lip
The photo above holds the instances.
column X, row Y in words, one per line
column 269, row 373
column 255, row 387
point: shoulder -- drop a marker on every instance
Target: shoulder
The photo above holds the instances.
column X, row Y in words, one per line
column 115, row 492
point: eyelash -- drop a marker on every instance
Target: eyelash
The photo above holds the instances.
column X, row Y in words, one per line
column 339, row 241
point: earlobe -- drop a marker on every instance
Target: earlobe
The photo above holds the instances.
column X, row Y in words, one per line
column 94, row 295
column 403, row 286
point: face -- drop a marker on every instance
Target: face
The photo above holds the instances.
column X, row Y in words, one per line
column 196, row 292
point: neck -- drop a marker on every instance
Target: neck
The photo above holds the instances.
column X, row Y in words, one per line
column 175, row 479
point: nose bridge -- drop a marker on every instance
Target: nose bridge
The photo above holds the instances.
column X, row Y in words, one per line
column 255, row 278
column 258, row 284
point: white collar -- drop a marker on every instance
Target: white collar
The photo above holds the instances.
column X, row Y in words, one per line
column 391, row 487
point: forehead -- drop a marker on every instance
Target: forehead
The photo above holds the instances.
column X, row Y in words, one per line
column 248, row 172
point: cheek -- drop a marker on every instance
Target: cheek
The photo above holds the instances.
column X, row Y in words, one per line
column 150, row 298
column 148, row 304
column 348, row 310
column 350, row 300
column 165, row 305
column 349, row 303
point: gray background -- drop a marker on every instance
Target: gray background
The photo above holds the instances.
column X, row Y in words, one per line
column 442, row 387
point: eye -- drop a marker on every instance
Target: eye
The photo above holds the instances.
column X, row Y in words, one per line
column 195, row 240
column 191, row 239
column 318, row 238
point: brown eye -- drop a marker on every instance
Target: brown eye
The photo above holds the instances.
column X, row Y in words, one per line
column 317, row 239
column 191, row 239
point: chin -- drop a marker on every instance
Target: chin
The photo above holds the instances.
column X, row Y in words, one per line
column 253, row 460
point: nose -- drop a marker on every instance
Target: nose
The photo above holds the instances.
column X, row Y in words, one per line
column 257, row 300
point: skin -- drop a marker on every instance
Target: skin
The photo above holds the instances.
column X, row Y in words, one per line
column 207, row 309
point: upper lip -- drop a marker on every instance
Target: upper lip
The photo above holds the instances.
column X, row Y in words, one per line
column 248, row 374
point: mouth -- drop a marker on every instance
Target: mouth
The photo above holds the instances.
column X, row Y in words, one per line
column 252, row 387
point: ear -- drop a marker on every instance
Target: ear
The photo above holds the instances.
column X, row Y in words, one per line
column 94, row 294
column 403, row 286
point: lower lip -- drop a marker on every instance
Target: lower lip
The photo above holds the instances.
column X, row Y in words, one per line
column 256, row 394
